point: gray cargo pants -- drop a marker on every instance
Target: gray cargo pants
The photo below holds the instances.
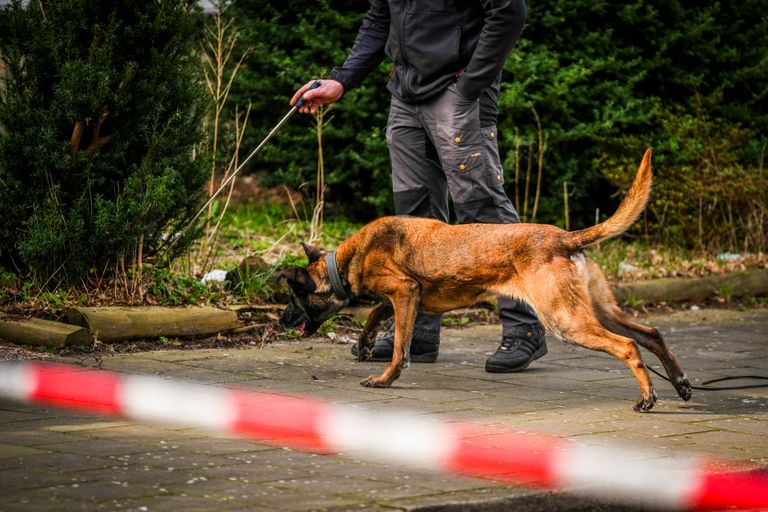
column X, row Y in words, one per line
column 440, row 147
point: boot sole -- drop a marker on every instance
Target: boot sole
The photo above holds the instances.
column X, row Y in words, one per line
column 494, row 368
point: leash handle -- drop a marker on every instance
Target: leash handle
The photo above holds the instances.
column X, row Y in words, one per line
column 314, row 85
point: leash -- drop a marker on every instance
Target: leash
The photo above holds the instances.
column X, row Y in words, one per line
column 232, row 176
column 705, row 385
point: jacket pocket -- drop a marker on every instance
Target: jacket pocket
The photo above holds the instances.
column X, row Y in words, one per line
column 461, row 148
column 462, row 155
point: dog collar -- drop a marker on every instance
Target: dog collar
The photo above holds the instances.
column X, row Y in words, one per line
column 333, row 276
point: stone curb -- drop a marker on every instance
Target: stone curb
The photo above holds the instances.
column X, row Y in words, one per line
column 679, row 289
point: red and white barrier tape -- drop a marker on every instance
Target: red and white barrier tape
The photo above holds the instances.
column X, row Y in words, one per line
column 394, row 438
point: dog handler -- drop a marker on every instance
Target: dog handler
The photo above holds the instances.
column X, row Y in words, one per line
column 442, row 137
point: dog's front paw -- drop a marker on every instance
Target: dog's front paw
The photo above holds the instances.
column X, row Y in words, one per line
column 645, row 404
column 374, row 381
column 683, row 387
column 364, row 354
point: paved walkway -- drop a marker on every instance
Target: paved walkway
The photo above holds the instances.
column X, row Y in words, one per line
column 57, row 460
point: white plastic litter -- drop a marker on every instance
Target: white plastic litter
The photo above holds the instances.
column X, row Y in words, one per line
column 215, row 275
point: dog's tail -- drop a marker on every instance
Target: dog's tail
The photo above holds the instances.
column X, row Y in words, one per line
column 629, row 210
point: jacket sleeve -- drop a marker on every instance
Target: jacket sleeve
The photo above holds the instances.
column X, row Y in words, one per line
column 504, row 21
column 368, row 50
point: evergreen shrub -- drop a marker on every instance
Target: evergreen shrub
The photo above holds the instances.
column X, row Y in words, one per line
column 102, row 153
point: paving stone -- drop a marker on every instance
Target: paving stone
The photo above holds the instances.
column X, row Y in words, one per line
column 187, row 502
column 99, row 492
column 64, row 462
column 98, row 463
column 746, row 425
column 176, row 356
column 17, row 436
column 103, row 447
column 457, row 500
column 91, row 425
column 38, row 504
column 11, row 414
column 13, row 451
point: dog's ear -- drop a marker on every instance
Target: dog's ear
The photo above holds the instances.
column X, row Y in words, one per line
column 298, row 279
column 313, row 253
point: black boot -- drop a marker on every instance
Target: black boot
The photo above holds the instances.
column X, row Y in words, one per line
column 422, row 351
column 516, row 352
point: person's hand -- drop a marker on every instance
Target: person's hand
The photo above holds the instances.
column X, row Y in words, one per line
column 328, row 92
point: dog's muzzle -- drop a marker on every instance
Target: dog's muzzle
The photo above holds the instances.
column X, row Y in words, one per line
column 294, row 316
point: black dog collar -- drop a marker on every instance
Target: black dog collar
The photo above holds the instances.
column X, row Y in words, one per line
column 333, row 276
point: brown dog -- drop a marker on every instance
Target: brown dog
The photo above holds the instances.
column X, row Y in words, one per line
column 415, row 264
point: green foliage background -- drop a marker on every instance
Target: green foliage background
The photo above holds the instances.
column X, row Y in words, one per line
column 68, row 210
column 607, row 80
column 688, row 78
column 292, row 43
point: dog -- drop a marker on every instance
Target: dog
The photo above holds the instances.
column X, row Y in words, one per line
column 417, row 264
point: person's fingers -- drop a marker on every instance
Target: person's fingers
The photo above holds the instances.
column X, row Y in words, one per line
column 328, row 91
column 318, row 94
column 298, row 94
column 306, row 107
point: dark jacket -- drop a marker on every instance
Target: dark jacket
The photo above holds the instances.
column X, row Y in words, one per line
column 433, row 43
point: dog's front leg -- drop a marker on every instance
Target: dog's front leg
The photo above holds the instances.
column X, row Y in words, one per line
column 405, row 302
column 378, row 314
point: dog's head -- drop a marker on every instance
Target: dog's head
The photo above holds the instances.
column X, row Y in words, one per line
column 312, row 299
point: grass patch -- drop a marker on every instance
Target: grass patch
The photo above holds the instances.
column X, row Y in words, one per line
column 272, row 232
column 178, row 289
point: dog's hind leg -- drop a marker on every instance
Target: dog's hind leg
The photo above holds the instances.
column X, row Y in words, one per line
column 564, row 306
column 615, row 320
column 405, row 301
column 649, row 338
column 592, row 335
column 378, row 314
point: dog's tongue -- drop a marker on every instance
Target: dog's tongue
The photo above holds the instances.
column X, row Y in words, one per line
column 302, row 328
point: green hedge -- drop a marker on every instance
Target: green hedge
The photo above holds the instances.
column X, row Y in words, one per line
column 100, row 114
column 607, row 80
column 292, row 43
